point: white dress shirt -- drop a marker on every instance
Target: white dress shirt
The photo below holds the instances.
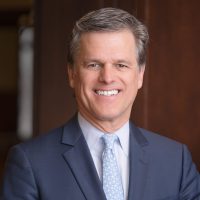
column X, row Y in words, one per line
column 121, row 148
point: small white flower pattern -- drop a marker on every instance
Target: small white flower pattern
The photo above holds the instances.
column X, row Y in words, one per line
column 112, row 183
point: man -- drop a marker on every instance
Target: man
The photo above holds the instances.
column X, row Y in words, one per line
column 106, row 64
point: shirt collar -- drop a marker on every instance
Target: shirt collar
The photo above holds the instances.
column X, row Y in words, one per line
column 123, row 135
column 93, row 135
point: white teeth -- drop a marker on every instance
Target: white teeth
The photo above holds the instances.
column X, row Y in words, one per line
column 107, row 92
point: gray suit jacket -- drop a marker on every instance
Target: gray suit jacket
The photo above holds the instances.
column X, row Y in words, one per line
column 59, row 166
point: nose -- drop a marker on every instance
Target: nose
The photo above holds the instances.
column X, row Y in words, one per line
column 107, row 74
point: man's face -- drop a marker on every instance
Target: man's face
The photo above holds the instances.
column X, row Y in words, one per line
column 106, row 77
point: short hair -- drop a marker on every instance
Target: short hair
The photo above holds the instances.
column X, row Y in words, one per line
column 109, row 20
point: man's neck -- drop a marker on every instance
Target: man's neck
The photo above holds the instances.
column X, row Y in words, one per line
column 106, row 126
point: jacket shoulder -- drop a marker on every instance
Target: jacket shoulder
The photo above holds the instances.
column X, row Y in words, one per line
column 155, row 139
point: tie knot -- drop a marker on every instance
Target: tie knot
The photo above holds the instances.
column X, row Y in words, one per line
column 109, row 140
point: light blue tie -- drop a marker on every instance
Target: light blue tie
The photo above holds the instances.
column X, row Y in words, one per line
column 112, row 183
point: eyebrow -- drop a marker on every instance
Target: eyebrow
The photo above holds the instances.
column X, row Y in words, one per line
column 124, row 61
column 91, row 60
column 101, row 61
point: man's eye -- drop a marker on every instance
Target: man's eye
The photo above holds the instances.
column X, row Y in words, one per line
column 93, row 65
column 121, row 66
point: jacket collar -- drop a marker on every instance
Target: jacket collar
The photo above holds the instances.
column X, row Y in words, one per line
column 78, row 157
column 138, row 163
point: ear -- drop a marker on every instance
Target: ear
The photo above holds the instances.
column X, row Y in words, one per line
column 141, row 76
column 71, row 75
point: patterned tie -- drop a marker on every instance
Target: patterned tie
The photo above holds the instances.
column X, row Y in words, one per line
column 112, row 183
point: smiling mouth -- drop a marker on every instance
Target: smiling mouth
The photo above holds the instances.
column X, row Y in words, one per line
column 107, row 92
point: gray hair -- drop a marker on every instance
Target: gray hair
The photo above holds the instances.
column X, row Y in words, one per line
column 109, row 20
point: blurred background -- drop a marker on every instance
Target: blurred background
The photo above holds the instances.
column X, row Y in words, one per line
column 34, row 92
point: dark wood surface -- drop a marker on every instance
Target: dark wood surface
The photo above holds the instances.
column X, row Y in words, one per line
column 173, row 99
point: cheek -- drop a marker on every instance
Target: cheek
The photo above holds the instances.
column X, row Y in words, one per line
column 133, row 83
column 132, row 79
column 87, row 80
column 82, row 84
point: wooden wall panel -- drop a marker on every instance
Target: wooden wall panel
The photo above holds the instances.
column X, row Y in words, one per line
column 173, row 97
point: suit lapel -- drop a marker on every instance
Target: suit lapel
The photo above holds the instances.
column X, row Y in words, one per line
column 138, row 164
column 80, row 162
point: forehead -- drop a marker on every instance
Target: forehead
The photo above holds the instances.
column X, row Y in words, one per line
column 107, row 46
column 113, row 39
